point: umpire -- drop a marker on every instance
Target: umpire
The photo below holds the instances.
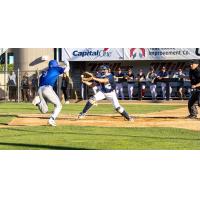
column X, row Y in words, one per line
column 194, row 75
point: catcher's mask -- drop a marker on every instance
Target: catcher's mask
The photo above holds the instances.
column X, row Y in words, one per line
column 53, row 63
column 104, row 69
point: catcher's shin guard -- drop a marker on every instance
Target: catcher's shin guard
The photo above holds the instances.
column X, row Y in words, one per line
column 123, row 113
column 88, row 105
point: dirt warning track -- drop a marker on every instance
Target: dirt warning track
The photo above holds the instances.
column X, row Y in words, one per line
column 170, row 118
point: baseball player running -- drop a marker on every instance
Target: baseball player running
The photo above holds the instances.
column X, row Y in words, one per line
column 107, row 90
column 46, row 92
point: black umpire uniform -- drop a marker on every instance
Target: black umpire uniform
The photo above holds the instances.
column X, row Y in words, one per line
column 194, row 75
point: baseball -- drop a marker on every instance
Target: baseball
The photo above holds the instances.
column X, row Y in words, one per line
column 82, row 76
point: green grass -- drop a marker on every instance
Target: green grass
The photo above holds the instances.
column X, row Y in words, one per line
column 72, row 137
column 5, row 119
column 97, row 138
column 17, row 108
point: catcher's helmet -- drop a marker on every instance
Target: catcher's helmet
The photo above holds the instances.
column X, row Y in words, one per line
column 53, row 63
column 104, row 67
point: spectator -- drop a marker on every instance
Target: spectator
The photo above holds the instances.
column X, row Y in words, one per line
column 25, row 88
column 181, row 78
column 119, row 78
column 130, row 81
column 34, row 86
column 141, row 78
column 162, row 77
column 12, row 86
column 151, row 77
column 65, row 87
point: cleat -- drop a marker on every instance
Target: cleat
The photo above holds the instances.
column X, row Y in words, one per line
column 36, row 100
column 131, row 119
column 191, row 117
column 81, row 116
column 51, row 122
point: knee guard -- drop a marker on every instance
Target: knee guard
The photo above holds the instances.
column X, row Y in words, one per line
column 120, row 110
column 92, row 100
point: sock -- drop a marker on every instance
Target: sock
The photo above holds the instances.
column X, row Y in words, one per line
column 87, row 107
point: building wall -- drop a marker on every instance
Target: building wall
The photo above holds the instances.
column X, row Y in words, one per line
column 31, row 58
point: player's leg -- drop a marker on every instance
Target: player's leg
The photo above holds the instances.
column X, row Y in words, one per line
column 95, row 90
column 52, row 97
column 163, row 87
column 154, row 92
column 117, row 90
column 92, row 100
column 191, row 105
column 121, row 91
column 143, row 89
column 112, row 97
column 129, row 91
column 151, row 90
column 40, row 102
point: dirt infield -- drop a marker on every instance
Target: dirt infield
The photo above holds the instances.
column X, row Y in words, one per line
column 170, row 118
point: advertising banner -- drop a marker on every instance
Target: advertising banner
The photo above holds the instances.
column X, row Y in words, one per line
column 90, row 54
column 111, row 54
column 161, row 53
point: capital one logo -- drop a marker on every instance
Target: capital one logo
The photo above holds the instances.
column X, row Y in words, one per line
column 105, row 49
column 137, row 53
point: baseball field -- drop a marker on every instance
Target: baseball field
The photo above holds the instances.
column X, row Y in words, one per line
column 156, row 126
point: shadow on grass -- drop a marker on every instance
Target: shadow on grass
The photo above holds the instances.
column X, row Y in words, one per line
column 41, row 146
column 83, row 134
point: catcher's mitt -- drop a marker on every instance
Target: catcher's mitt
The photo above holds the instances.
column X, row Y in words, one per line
column 87, row 76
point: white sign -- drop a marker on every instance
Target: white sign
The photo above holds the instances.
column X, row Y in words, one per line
column 161, row 53
column 111, row 54
column 89, row 54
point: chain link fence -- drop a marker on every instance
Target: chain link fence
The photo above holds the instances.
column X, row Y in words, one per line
column 22, row 86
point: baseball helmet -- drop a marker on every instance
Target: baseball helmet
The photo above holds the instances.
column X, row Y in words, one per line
column 53, row 63
column 104, row 67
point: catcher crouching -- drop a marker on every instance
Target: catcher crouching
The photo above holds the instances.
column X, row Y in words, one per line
column 107, row 91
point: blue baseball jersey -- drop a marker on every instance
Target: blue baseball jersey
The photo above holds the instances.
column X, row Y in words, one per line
column 50, row 76
column 110, row 86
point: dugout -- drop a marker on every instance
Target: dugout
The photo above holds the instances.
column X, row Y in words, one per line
column 78, row 67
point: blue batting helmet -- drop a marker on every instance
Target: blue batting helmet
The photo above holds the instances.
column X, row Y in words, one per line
column 53, row 63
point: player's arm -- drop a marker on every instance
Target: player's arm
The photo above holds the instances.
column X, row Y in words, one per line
column 195, row 86
column 100, row 80
column 89, row 84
